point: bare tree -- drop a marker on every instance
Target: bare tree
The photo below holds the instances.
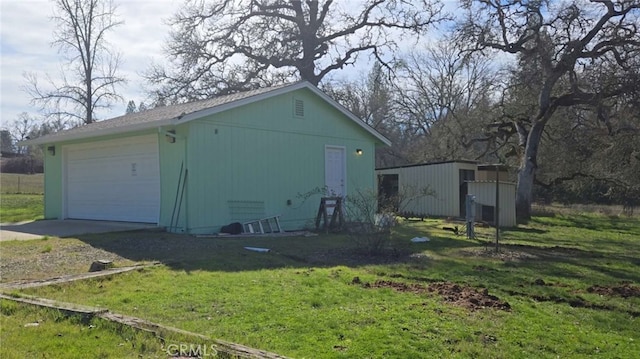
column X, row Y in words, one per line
column 584, row 159
column 22, row 128
column 586, row 54
column 370, row 97
column 443, row 99
column 88, row 81
column 223, row 46
column 6, row 142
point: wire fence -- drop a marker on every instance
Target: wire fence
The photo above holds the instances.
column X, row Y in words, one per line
column 21, row 183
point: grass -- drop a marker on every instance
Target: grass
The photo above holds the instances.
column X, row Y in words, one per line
column 300, row 299
column 22, row 183
column 30, row 332
column 21, row 198
column 570, row 209
column 21, row 207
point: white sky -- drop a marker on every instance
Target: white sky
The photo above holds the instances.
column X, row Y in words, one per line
column 25, row 46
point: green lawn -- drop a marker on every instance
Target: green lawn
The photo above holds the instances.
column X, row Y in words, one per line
column 21, row 197
column 563, row 277
column 21, row 207
column 31, row 332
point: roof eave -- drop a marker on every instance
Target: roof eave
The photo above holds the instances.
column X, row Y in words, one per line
column 210, row 111
column 97, row 133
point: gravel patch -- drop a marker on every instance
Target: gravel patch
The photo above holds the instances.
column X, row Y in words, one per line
column 54, row 257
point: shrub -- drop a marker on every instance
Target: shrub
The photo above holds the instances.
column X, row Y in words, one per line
column 370, row 217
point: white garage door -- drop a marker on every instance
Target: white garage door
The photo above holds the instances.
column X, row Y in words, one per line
column 116, row 180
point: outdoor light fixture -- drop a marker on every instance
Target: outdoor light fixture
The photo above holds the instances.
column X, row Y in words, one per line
column 170, row 136
column 51, row 150
column 359, row 151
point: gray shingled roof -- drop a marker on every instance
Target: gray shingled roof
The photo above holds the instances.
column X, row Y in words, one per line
column 176, row 114
column 148, row 118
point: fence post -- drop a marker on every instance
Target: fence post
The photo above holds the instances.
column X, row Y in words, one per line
column 18, row 184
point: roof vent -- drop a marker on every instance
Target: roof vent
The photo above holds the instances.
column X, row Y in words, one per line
column 298, row 107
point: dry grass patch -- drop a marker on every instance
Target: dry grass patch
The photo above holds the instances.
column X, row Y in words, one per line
column 50, row 257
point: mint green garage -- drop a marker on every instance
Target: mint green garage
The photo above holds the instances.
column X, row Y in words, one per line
column 195, row 167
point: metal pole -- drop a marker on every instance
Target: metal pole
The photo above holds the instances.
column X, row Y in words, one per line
column 497, row 215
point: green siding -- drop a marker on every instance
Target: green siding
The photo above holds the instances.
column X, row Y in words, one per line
column 53, row 184
column 258, row 155
column 262, row 153
column 173, row 165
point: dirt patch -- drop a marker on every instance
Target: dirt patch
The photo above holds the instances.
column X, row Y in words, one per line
column 468, row 297
column 459, row 295
column 518, row 252
column 53, row 258
column 72, row 277
column 626, row 290
column 540, row 281
column 505, row 254
column 400, row 287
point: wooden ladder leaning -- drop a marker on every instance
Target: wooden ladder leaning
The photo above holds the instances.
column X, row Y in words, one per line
column 336, row 221
column 263, row 225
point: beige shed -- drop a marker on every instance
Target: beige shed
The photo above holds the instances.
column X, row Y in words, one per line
column 450, row 182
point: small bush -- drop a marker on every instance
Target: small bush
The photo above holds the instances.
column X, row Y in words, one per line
column 363, row 223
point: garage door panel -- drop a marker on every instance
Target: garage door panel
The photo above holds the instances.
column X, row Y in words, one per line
column 114, row 180
column 114, row 212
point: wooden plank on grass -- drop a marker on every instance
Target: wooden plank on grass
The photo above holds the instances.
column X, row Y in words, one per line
column 158, row 330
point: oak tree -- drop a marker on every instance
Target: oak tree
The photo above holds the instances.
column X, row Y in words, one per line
column 223, row 46
column 585, row 53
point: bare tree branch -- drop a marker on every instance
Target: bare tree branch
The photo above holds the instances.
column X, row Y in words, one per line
column 561, row 43
column 225, row 46
column 92, row 67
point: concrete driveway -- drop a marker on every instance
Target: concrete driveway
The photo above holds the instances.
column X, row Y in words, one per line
column 64, row 228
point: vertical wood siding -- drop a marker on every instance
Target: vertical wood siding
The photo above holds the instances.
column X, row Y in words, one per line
column 173, row 164
column 443, row 178
column 485, row 193
column 53, row 182
column 263, row 153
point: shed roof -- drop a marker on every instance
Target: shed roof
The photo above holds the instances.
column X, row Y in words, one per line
column 177, row 114
column 429, row 164
column 493, row 167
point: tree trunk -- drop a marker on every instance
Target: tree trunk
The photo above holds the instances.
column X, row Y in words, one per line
column 527, row 173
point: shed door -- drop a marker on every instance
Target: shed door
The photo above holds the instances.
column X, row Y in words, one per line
column 117, row 180
column 335, row 170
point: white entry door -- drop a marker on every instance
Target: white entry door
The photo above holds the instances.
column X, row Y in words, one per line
column 116, row 180
column 335, row 171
